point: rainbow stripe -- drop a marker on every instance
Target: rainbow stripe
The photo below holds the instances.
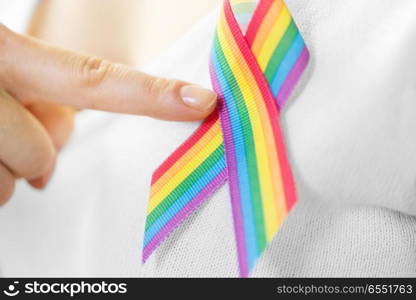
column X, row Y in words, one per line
column 257, row 57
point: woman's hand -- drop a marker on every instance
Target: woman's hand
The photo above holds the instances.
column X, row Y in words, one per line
column 32, row 72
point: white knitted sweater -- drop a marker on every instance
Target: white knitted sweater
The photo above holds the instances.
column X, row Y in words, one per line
column 350, row 132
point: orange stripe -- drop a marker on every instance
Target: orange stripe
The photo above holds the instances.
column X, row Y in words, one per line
column 266, row 26
column 190, row 154
column 267, row 131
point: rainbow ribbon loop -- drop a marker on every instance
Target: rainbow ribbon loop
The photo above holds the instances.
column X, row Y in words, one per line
column 258, row 56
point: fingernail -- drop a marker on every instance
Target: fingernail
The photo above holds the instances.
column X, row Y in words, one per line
column 198, row 97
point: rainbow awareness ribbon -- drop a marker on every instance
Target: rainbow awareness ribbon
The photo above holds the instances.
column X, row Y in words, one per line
column 257, row 57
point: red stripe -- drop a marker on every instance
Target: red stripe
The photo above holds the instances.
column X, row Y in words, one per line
column 189, row 143
column 256, row 20
column 251, row 62
column 287, row 176
column 271, row 105
column 293, row 76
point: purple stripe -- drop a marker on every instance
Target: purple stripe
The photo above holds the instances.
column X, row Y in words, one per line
column 191, row 206
column 293, row 77
column 232, row 180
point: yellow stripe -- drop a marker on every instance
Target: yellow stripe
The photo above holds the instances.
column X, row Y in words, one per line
column 179, row 177
column 274, row 37
column 266, row 25
column 263, row 149
column 209, row 135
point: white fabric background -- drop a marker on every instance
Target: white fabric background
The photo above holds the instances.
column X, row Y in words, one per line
column 16, row 14
column 350, row 137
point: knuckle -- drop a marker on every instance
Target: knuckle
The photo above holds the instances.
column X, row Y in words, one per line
column 93, row 71
column 159, row 86
column 159, row 90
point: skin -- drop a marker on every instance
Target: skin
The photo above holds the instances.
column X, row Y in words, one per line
column 42, row 86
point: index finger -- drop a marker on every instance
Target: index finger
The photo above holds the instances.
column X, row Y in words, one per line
column 33, row 71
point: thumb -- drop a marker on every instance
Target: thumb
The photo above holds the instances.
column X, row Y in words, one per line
column 32, row 71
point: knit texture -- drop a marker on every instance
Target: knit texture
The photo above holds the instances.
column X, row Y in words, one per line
column 349, row 132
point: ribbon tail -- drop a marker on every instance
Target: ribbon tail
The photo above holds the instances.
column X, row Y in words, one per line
column 183, row 182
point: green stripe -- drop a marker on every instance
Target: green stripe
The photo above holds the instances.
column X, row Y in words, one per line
column 247, row 7
column 249, row 146
column 185, row 185
column 280, row 51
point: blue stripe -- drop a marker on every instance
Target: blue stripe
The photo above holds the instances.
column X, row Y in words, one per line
column 184, row 199
column 240, row 157
column 287, row 64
